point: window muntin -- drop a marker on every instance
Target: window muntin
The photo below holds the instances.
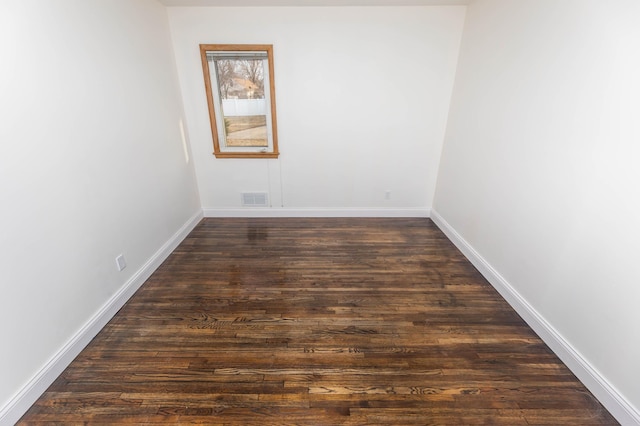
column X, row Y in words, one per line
column 241, row 100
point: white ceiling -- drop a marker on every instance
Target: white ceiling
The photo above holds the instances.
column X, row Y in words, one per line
column 178, row 3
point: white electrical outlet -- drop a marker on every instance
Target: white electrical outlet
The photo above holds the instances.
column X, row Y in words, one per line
column 387, row 194
column 120, row 262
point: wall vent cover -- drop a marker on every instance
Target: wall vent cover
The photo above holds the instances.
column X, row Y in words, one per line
column 255, row 199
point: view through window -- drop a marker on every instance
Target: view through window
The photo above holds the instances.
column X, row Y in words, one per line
column 241, row 98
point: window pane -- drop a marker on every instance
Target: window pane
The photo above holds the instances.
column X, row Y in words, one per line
column 244, row 105
column 241, row 99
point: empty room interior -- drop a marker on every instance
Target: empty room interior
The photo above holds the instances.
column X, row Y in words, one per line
column 440, row 166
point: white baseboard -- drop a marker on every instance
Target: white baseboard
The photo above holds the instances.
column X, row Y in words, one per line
column 22, row 401
column 318, row 212
column 615, row 402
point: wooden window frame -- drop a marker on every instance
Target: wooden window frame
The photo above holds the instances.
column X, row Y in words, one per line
column 258, row 153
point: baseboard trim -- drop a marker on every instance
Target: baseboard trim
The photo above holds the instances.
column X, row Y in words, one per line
column 22, row 401
column 318, row 212
column 615, row 402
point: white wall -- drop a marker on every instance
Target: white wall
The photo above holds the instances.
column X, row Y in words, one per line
column 340, row 75
column 91, row 165
column 539, row 172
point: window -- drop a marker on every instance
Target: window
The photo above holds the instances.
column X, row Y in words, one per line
column 241, row 97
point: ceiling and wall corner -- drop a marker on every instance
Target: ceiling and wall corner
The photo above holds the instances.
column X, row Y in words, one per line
column 321, row 3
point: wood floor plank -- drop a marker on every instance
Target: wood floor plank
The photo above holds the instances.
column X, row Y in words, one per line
column 317, row 321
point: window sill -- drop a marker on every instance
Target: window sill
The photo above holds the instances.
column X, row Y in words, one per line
column 246, row 154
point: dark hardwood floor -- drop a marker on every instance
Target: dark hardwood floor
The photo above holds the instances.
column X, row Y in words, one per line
column 317, row 322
